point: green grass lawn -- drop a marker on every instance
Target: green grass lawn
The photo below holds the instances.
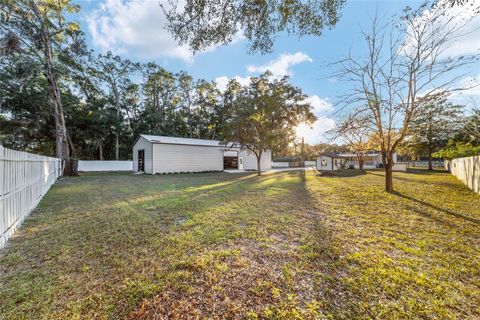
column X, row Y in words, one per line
column 289, row 245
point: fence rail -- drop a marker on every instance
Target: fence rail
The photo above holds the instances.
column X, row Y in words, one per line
column 24, row 179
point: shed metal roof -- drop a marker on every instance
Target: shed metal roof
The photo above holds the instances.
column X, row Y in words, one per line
column 185, row 141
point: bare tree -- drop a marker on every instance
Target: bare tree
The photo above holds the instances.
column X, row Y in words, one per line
column 357, row 133
column 406, row 67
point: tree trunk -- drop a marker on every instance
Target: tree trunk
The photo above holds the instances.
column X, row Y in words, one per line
column 61, row 143
column 61, row 137
column 117, row 146
column 361, row 162
column 100, row 150
column 70, row 167
column 117, row 106
column 73, row 152
column 430, row 164
column 259, row 169
column 389, row 174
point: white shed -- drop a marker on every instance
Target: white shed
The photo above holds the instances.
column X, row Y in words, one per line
column 160, row 154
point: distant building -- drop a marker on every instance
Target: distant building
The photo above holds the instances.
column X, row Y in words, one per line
column 160, row 154
column 346, row 160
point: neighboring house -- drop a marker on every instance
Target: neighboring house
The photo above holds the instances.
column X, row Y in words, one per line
column 160, row 154
column 338, row 161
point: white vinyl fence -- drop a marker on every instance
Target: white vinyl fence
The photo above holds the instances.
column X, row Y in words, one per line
column 105, row 165
column 285, row 164
column 467, row 170
column 279, row 164
column 24, row 179
column 400, row 166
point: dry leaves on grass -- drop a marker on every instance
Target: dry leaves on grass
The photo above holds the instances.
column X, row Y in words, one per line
column 250, row 281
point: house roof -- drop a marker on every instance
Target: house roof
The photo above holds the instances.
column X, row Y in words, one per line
column 348, row 154
column 184, row 141
column 332, row 155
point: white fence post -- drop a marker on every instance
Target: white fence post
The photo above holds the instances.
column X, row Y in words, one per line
column 2, row 188
column 24, row 179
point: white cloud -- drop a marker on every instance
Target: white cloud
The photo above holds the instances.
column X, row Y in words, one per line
column 319, row 105
column 471, row 92
column 465, row 18
column 281, row 66
column 222, row 81
column 136, row 27
column 315, row 133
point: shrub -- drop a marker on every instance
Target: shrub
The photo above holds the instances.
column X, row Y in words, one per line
column 457, row 149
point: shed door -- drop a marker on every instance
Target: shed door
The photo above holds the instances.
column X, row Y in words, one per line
column 141, row 160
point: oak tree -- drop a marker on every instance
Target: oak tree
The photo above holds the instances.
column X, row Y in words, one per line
column 267, row 111
column 206, row 23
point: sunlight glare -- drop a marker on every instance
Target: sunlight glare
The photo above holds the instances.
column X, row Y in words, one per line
column 304, row 130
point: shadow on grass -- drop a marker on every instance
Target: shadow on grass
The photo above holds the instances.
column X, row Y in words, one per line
column 414, row 172
column 425, row 171
column 347, row 173
column 446, row 211
column 267, row 264
column 325, row 257
column 126, row 230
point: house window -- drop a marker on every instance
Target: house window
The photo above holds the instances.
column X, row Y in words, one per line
column 324, row 162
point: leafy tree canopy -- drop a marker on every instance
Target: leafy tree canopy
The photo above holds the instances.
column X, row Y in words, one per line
column 457, row 150
column 266, row 115
column 205, row 23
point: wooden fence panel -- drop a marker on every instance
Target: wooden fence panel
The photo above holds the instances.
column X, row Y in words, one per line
column 24, row 179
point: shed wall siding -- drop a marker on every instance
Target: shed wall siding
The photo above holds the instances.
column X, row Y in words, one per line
column 170, row 158
column 142, row 143
column 250, row 160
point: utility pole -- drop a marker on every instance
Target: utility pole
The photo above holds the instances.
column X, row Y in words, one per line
column 303, row 149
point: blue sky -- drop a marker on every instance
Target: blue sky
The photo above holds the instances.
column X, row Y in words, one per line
column 134, row 29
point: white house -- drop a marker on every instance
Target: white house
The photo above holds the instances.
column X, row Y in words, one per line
column 338, row 161
column 160, row 154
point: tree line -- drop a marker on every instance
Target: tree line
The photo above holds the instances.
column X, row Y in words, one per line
column 107, row 102
column 59, row 98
